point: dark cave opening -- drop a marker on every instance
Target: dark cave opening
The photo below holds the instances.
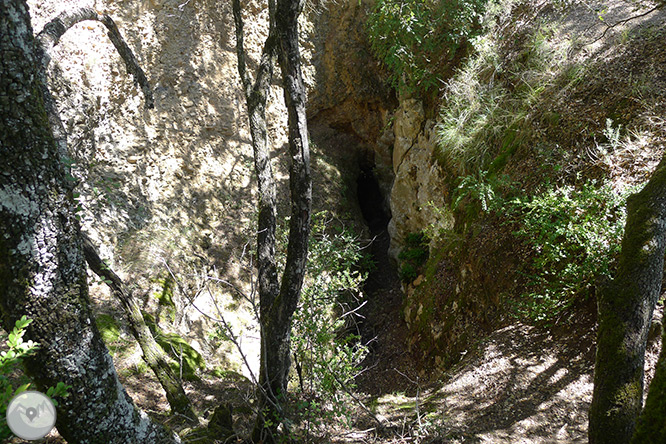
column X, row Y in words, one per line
column 382, row 328
column 371, row 200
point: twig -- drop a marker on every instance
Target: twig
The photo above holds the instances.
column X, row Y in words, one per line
column 232, row 336
column 354, row 311
column 621, row 22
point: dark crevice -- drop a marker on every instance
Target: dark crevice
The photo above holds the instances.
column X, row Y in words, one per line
column 383, row 329
column 372, row 201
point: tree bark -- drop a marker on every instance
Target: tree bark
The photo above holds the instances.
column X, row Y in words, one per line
column 626, row 306
column 651, row 425
column 42, row 273
column 277, row 301
column 276, row 315
column 256, row 96
column 153, row 354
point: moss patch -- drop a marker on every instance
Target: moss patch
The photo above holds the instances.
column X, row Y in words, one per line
column 108, row 328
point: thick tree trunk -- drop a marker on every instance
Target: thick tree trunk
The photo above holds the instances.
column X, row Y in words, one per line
column 626, row 306
column 153, row 354
column 42, row 273
column 652, row 422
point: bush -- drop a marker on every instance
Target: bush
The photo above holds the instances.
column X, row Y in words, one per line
column 17, row 350
column 416, row 38
column 325, row 343
column 413, row 256
column 575, row 236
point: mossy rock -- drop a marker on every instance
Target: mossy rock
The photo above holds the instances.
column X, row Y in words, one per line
column 178, row 349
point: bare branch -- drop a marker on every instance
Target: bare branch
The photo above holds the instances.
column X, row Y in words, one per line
column 56, row 28
column 633, row 17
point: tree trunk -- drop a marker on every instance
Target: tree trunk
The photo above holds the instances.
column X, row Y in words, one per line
column 276, row 315
column 42, row 273
column 277, row 301
column 651, row 425
column 626, row 306
column 153, row 354
column 56, row 28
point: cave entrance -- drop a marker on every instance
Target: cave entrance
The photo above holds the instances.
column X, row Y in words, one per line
column 383, row 328
column 371, row 200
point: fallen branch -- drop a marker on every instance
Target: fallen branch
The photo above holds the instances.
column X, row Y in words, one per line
column 56, row 28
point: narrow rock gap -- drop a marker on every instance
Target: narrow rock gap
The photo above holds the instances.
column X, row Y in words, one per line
column 383, row 328
column 371, row 200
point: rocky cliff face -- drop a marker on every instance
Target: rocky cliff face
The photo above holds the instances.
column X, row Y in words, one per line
column 169, row 192
column 419, row 195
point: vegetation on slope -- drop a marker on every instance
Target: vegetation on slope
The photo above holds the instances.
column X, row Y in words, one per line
column 543, row 131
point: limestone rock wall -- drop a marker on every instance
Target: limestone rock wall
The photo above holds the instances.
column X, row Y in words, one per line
column 420, row 191
column 170, row 191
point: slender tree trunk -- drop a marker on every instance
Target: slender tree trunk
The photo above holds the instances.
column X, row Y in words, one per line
column 50, row 36
column 276, row 315
column 153, row 354
column 277, row 301
column 256, row 95
column 42, row 270
column 626, row 306
column 56, row 28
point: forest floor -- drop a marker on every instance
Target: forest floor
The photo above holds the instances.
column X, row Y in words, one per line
column 520, row 384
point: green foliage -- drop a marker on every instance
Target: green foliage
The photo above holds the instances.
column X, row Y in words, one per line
column 478, row 189
column 108, row 328
column 17, row 350
column 486, row 115
column 413, row 256
column 575, row 235
column 414, row 38
column 324, row 343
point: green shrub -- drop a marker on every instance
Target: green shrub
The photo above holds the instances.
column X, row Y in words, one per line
column 415, row 39
column 327, row 352
column 575, row 236
column 17, row 350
